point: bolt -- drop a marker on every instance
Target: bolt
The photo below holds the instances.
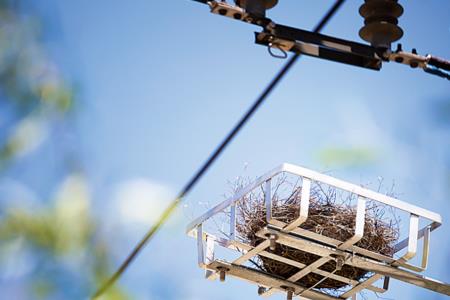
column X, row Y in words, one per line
column 272, row 240
column 399, row 59
column 223, row 11
column 399, row 48
column 340, row 261
column 290, row 295
column 289, row 290
column 237, row 16
column 261, row 290
column 222, row 273
column 222, row 276
column 414, row 51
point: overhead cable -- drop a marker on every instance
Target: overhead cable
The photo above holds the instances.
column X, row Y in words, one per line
column 212, row 158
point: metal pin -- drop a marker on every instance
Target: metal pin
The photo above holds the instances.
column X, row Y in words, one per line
column 223, row 11
column 290, row 294
column 340, row 261
column 272, row 239
column 222, row 273
column 222, row 276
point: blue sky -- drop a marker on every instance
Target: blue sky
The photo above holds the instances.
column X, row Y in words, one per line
column 162, row 82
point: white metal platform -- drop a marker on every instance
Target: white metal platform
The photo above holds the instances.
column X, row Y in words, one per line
column 380, row 266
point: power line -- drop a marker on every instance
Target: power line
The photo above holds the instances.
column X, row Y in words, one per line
column 212, row 158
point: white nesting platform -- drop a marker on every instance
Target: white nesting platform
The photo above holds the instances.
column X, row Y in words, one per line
column 382, row 267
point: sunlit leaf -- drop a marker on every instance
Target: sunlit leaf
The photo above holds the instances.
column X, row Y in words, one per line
column 352, row 157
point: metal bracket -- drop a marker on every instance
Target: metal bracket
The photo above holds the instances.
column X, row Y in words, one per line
column 299, row 41
column 236, row 13
column 296, row 40
column 319, row 45
column 291, row 235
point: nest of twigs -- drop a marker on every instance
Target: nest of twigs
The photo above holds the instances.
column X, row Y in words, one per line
column 329, row 216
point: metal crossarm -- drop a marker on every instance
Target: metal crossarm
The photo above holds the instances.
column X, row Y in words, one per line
column 327, row 249
column 319, row 45
column 277, row 37
column 301, row 41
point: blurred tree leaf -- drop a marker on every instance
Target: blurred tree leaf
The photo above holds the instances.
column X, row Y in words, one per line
column 29, row 80
column 60, row 237
column 351, row 157
column 60, row 231
column 26, row 136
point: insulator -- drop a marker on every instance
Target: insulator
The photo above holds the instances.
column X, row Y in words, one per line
column 256, row 7
column 381, row 22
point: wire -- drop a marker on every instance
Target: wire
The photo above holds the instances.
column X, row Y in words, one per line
column 191, row 183
column 438, row 62
column 437, row 72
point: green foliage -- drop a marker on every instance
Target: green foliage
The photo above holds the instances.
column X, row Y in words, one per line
column 28, row 77
column 353, row 157
column 30, row 82
column 58, row 233
column 62, row 228
column 61, row 234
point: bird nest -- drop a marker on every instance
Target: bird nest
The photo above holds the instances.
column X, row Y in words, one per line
column 331, row 215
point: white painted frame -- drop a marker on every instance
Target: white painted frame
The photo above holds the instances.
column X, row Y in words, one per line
column 390, row 267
